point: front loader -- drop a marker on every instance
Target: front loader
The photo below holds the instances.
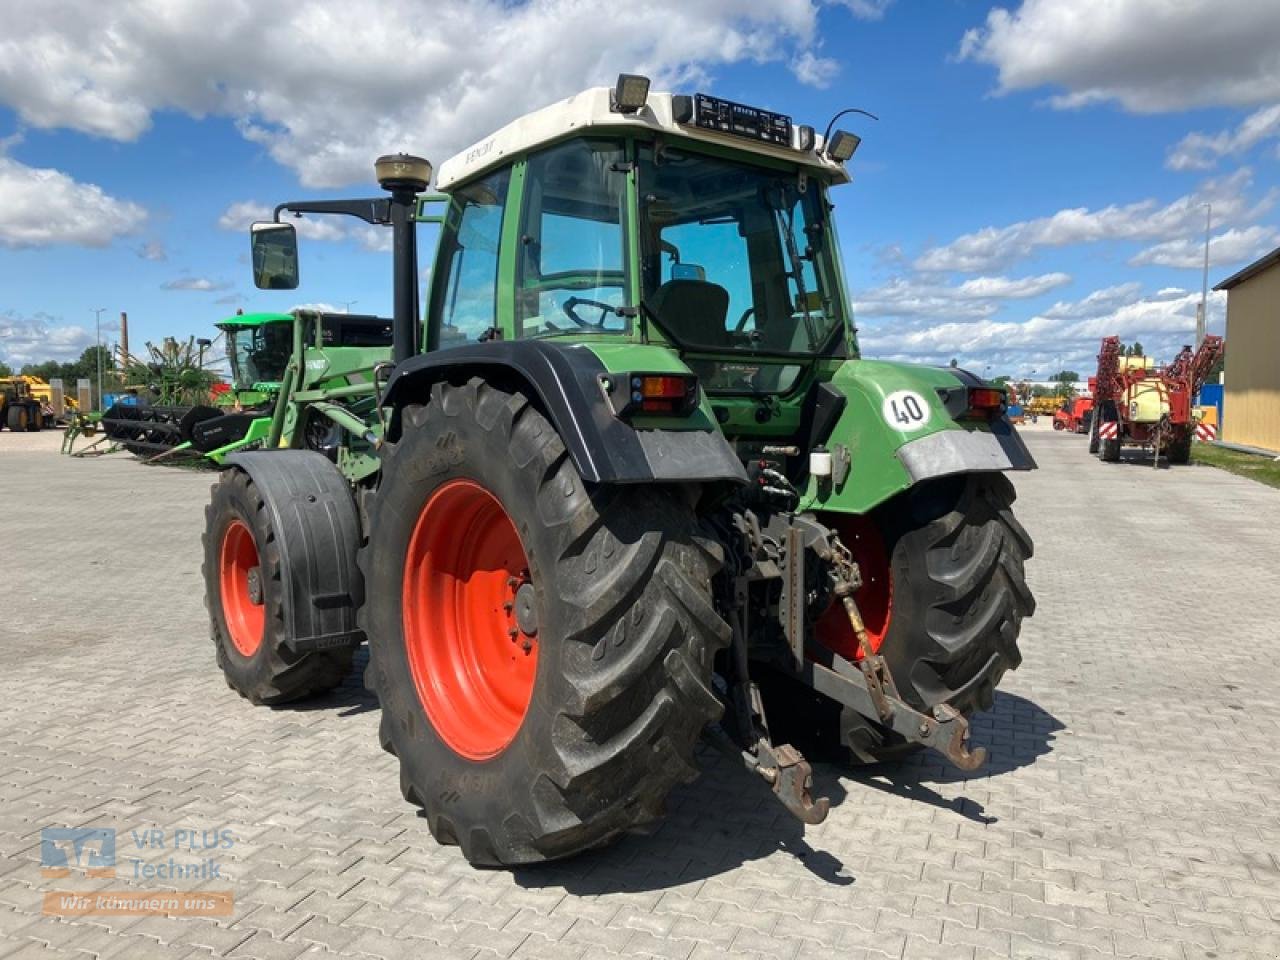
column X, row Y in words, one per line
column 624, row 484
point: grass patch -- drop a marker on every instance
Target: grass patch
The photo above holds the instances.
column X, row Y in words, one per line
column 1263, row 469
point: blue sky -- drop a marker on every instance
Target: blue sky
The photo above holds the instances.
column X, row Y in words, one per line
column 1034, row 182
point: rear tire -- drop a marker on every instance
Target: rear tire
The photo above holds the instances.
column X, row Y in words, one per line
column 1111, row 450
column 1179, row 451
column 624, row 633
column 248, row 637
column 958, row 598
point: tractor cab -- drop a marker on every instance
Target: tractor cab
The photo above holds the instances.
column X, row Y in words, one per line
column 258, row 348
column 686, row 222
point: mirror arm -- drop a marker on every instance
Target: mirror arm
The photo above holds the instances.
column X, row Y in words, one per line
column 376, row 210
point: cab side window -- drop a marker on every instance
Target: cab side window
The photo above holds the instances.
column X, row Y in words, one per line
column 572, row 273
column 468, row 260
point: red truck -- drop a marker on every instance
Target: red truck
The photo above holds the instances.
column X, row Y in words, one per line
column 1074, row 415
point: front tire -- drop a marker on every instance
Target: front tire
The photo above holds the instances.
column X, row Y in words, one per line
column 244, row 596
column 944, row 612
column 542, row 650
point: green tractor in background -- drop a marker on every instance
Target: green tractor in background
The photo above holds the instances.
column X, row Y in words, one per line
column 627, row 485
column 305, row 371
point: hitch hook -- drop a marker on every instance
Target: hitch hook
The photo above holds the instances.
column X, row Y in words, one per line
column 791, row 779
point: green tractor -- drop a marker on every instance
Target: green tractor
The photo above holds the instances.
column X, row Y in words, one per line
column 626, row 486
column 300, row 380
column 307, row 373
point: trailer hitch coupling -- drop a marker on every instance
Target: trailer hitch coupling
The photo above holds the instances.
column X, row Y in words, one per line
column 791, row 777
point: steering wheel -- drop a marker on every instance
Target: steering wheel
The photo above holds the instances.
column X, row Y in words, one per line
column 570, row 307
column 742, row 320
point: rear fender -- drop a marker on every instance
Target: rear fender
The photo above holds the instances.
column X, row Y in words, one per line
column 317, row 528
column 563, row 380
column 882, row 443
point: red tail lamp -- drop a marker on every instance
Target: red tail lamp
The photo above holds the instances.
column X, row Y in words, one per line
column 671, row 394
column 985, row 403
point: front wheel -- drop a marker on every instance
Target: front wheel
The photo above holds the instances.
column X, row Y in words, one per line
column 943, row 598
column 245, row 595
column 542, row 650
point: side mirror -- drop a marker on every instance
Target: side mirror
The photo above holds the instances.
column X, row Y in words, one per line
column 275, row 255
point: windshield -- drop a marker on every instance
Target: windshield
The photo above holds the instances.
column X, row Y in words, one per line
column 735, row 257
column 259, row 354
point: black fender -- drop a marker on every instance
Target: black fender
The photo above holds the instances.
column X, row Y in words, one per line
column 317, row 527
column 563, row 380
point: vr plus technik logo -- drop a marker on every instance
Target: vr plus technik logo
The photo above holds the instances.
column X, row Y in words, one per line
column 90, row 850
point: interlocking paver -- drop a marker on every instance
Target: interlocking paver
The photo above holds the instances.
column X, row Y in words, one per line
column 1129, row 808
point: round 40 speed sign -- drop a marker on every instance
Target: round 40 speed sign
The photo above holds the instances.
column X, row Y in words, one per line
column 905, row 410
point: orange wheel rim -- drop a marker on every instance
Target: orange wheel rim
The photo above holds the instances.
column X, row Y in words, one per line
column 874, row 598
column 470, row 620
column 241, row 587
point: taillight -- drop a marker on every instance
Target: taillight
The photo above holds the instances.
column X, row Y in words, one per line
column 657, row 393
column 985, row 403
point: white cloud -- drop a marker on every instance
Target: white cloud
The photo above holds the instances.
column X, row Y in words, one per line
column 1003, row 288
column 334, row 83
column 153, row 250
column 1200, row 151
column 1097, row 302
column 41, row 337
column 993, row 247
column 196, row 284
column 1231, row 247
column 1147, row 55
column 40, row 207
column 979, row 297
column 815, row 71
column 1067, row 333
column 865, row 9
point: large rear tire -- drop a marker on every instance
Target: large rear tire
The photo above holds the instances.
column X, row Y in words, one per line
column 946, row 619
column 1179, row 449
column 1110, row 452
column 542, row 649
column 244, row 595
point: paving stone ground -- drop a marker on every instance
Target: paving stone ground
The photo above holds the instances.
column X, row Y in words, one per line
column 1131, row 806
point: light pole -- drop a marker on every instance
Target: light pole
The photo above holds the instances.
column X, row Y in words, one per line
column 97, row 326
column 347, row 304
column 1201, row 315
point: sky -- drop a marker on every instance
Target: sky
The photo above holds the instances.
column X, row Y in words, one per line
column 1036, row 179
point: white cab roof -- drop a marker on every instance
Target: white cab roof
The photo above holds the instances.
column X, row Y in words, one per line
column 588, row 111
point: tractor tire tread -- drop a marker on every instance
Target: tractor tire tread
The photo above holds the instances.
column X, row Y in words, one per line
column 636, row 659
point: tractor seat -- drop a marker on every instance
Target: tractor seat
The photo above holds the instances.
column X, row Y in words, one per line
column 693, row 310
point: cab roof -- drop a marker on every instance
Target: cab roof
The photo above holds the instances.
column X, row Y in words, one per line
column 590, row 112
column 254, row 319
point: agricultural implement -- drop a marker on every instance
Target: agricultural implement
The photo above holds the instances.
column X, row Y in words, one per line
column 626, row 484
column 1140, row 404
